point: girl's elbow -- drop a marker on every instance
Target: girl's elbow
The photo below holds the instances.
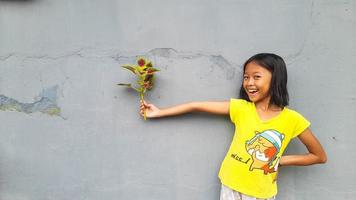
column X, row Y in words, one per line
column 322, row 159
column 194, row 106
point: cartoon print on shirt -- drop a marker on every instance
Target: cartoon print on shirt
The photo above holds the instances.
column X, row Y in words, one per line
column 263, row 149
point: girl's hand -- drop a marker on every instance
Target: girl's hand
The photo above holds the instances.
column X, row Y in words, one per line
column 151, row 110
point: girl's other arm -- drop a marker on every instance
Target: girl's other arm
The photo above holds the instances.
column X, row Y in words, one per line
column 316, row 152
column 210, row 107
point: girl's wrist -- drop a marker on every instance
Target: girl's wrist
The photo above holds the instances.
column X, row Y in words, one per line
column 280, row 163
column 159, row 114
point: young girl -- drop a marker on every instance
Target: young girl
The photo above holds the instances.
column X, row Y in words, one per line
column 263, row 128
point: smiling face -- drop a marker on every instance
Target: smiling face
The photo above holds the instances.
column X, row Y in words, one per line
column 257, row 82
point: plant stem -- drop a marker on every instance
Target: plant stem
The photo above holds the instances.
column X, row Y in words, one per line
column 144, row 111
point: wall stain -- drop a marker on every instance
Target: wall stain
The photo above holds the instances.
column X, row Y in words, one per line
column 221, row 62
column 46, row 103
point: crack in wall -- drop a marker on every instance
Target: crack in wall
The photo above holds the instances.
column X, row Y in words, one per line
column 290, row 59
column 6, row 57
column 169, row 53
column 22, row 57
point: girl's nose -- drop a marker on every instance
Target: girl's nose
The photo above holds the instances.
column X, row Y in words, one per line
column 250, row 81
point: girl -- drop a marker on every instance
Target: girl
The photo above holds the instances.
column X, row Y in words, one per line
column 263, row 128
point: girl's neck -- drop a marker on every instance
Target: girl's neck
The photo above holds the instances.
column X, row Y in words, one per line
column 266, row 106
column 267, row 112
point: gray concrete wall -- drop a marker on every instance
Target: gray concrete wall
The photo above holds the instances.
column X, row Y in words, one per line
column 68, row 132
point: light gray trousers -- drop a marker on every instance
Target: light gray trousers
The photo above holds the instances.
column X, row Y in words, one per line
column 229, row 194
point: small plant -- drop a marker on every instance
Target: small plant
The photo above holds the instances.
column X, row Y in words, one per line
column 144, row 71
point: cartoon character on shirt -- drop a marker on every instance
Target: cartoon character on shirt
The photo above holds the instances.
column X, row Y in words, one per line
column 263, row 149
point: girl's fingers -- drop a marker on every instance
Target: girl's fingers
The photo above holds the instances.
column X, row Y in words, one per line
column 144, row 104
column 147, row 106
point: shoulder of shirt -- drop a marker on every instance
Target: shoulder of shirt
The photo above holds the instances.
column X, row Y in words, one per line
column 240, row 105
column 242, row 101
column 292, row 112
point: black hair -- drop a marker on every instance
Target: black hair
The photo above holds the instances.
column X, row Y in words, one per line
column 278, row 89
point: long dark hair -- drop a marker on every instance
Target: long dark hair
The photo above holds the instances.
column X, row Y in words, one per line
column 278, row 89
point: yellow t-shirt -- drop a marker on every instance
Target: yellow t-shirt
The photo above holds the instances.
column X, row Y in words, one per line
column 250, row 166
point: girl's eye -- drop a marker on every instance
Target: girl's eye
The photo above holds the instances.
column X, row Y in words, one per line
column 257, row 77
column 245, row 77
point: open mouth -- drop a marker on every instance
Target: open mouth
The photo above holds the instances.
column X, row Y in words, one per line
column 252, row 91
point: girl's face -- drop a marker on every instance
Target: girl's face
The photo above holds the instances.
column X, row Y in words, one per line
column 257, row 82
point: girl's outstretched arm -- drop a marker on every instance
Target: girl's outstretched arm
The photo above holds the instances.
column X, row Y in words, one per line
column 153, row 111
column 316, row 152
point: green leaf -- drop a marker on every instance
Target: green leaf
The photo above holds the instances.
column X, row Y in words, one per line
column 129, row 86
column 152, row 69
column 138, row 68
column 132, row 69
column 124, row 84
column 140, row 82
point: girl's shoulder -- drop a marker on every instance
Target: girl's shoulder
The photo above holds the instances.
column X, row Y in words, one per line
column 292, row 113
column 240, row 101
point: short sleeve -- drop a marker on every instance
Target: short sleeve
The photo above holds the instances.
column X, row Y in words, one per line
column 300, row 124
column 235, row 109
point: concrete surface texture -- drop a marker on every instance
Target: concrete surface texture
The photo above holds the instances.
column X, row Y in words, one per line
column 69, row 132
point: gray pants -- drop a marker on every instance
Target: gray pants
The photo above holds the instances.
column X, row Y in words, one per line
column 229, row 194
